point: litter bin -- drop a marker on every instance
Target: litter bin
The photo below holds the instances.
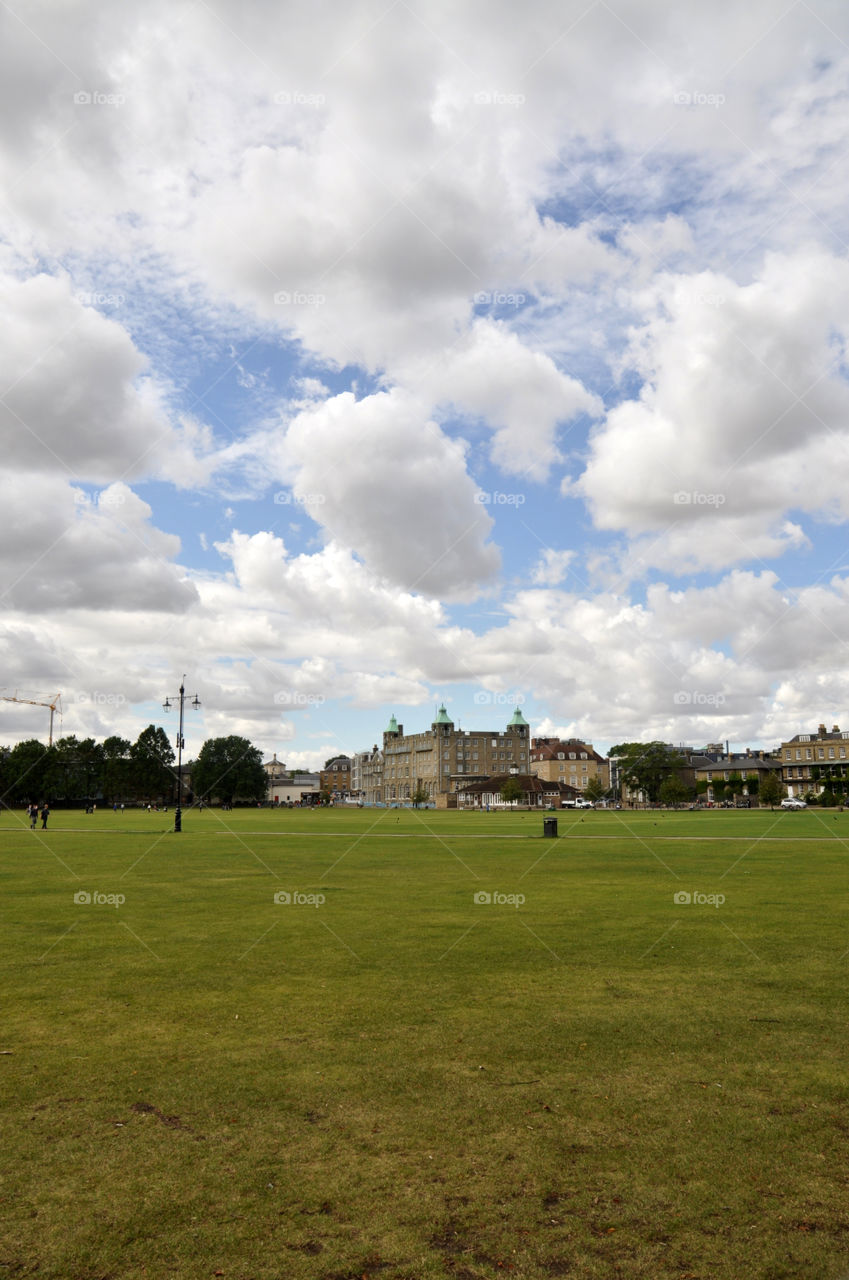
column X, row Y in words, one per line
column 549, row 826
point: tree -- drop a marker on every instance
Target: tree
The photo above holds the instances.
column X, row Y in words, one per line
column 116, row 775
column 27, row 771
column 673, row 791
column 229, row 769
column 645, row 765
column 153, row 757
column 511, row 791
column 420, row 795
column 595, row 790
column 771, row 790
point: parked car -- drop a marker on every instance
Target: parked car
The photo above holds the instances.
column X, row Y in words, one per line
column 580, row 803
column 792, row 803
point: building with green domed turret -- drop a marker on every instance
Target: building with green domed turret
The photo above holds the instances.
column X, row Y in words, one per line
column 438, row 761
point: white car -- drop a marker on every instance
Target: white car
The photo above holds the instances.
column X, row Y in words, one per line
column 792, row 803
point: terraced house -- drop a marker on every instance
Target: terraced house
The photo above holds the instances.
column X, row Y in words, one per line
column 816, row 762
column 443, row 758
column 571, row 761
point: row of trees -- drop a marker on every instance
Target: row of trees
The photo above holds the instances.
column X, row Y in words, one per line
column 118, row 771
column 654, row 768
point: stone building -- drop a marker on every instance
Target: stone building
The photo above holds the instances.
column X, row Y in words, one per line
column 571, row 761
column 443, row 758
column 336, row 777
column 814, row 761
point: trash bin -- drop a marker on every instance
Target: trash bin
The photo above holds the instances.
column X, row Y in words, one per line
column 549, row 826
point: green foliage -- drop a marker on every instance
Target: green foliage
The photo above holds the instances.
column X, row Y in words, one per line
column 645, row 765
column 27, row 772
column 595, row 790
column 153, row 757
column 674, row 791
column 420, row 795
column 511, row 791
column 229, row 769
column 772, row 790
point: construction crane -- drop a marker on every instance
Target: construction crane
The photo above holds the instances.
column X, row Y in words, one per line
column 55, row 702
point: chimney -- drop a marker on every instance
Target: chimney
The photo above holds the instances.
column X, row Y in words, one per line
column 821, row 731
column 835, row 728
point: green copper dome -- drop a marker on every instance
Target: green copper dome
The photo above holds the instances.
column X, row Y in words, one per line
column 443, row 716
column 518, row 718
column 393, row 726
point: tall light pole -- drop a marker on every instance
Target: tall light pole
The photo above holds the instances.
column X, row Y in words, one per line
column 181, row 742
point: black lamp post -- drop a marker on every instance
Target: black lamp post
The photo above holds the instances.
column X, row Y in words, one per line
column 181, row 742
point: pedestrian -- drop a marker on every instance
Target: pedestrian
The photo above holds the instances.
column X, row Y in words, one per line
column 45, row 814
column 33, row 815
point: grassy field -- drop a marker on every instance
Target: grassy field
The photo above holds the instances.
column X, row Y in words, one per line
column 384, row 1077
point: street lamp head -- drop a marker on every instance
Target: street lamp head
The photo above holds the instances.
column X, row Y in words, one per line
column 196, row 702
column 167, row 704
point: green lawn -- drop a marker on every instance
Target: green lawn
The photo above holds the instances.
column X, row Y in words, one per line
column 389, row 1079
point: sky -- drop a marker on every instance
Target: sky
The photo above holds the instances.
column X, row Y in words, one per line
column 356, row 359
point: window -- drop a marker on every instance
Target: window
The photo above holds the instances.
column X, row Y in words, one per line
column 798, row 754
column 808, row 753
column 583, row 755
column 474, row 755
column 821, row 753
column 560, row 755
column 572, row 755
column 494, row 742
column 831, row 753
column 563, row 768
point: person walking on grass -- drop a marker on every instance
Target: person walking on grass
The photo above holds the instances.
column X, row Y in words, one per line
column 33, row 815
column 45, row 814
